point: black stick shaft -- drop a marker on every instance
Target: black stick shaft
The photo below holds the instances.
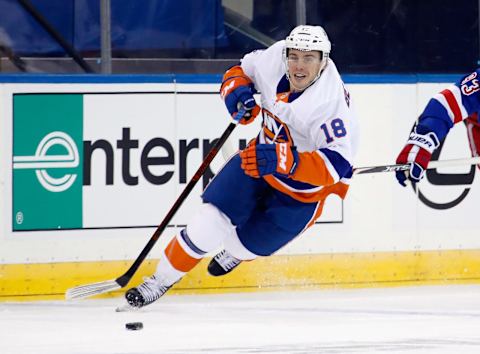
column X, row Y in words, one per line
column 125, row 278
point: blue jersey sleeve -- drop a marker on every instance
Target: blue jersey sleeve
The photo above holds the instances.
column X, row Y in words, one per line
column 452, row 105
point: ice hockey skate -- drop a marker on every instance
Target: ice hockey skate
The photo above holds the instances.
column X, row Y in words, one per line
column 146, row 293
column 222, row 264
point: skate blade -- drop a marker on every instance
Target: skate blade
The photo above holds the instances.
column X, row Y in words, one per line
column 126, row 308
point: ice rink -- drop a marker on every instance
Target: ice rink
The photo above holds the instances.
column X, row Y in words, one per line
column 432, row 319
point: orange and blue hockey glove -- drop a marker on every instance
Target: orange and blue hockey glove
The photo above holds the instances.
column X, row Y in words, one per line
column 266, row 159
column 418, row 152
column 237, row 92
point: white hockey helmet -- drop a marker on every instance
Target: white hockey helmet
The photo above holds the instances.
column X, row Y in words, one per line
column 307, row 38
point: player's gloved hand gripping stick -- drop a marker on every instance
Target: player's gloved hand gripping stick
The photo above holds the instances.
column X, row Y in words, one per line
column 87, row 290
column 264, row 159
column 418, row 152
column 237, row 92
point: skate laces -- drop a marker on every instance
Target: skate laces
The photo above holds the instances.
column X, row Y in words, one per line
column 151, row 289
column 226, row 260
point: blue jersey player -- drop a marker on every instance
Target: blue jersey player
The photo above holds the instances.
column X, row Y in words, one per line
column 458, row 103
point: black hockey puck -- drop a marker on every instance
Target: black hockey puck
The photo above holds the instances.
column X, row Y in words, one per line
column 134, row 326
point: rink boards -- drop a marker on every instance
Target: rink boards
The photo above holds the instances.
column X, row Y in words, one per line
column 92, row 164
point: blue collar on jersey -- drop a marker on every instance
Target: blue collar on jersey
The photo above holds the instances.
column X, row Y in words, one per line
column 284, row 86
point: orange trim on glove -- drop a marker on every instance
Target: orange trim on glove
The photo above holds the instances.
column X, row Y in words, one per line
column 228, row 85
column 250, row 115
column 249, row 160
column 233, row 79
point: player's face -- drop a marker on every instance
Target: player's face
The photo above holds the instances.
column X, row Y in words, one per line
column 303, row 67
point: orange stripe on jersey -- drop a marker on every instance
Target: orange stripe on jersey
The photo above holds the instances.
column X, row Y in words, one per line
column 338, row 188
column 179, row 259
column 318, row 212
column 453, row 104
column 311, row 168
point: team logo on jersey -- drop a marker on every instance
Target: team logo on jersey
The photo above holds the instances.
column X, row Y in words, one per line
column 274, row 130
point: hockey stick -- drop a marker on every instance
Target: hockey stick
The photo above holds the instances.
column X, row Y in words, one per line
column 87, row 290
column 405, row 167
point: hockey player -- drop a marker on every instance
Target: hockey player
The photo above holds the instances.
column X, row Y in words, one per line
column 457, row 103
column 273, row 190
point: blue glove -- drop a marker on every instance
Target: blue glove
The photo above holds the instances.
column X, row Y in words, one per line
column 266, row 159
column 418, row 152
column 237, row 92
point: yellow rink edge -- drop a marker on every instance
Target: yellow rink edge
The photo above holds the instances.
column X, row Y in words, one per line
column 314, row 271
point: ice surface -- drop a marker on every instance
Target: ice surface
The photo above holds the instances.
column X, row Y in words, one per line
column 431, row 319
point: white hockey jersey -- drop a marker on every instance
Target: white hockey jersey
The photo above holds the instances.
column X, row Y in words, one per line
column 320, row 122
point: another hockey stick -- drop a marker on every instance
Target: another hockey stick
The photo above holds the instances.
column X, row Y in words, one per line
column 404, row 167
column 87, row 290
